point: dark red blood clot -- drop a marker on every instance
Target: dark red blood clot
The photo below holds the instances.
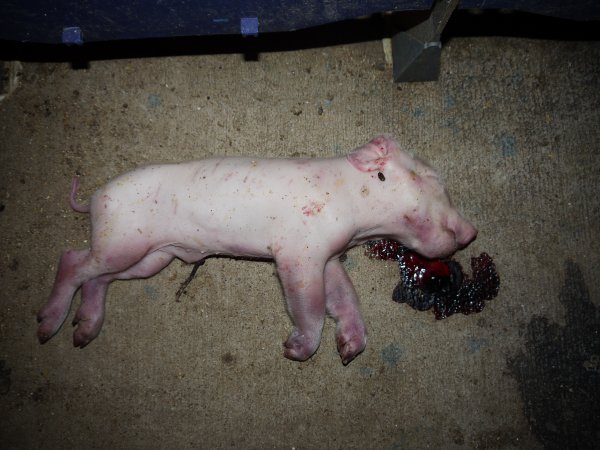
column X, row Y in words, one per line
column 424, row 273
column 439, row 283
column 384, row 249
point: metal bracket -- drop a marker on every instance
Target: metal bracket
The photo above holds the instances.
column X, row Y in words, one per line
column 416, row 52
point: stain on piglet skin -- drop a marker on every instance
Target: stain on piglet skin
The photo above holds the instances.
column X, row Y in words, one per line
column 312, row 209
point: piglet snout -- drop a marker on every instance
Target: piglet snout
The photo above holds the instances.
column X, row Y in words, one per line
column 465, row 233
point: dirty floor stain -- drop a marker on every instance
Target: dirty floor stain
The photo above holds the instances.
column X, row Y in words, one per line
column 559, row 374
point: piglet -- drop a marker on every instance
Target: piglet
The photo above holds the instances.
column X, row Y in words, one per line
column 302, row 213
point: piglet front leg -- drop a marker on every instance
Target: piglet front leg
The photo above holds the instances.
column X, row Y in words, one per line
column 342, row 305
column 90, row 315
column 304, row 290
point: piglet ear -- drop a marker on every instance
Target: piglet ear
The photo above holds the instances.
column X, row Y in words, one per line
column 373, row 155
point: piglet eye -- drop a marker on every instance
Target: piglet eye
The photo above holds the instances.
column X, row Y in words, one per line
column 381, row 176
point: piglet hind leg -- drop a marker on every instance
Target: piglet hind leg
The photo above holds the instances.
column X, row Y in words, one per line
column 305, row 296
column 342, row 305
column 90, row 315
column 70, row 276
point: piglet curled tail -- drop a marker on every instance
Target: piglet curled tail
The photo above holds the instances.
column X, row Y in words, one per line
column 75, row 205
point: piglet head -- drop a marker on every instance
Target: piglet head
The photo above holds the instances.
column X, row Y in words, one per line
column 436, row 233
column 415, row 207
column 433, row 227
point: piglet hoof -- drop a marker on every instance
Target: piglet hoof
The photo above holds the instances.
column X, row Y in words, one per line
column 350, row 348
column 81, row 337
column 87, row 330
column 43, row 335
column 48, row 327
column 299, row 347
column 81, row 341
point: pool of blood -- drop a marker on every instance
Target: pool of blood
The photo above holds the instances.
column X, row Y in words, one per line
column 440, row 284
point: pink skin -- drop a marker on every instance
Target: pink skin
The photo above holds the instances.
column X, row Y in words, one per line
column 303, row 213
column 342, row 304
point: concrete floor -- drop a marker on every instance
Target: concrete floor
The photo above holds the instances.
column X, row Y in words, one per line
column 513, row 126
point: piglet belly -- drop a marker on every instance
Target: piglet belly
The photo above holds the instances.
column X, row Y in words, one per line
column 196, row 245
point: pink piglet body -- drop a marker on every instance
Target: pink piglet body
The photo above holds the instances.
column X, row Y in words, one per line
column 302, row 213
